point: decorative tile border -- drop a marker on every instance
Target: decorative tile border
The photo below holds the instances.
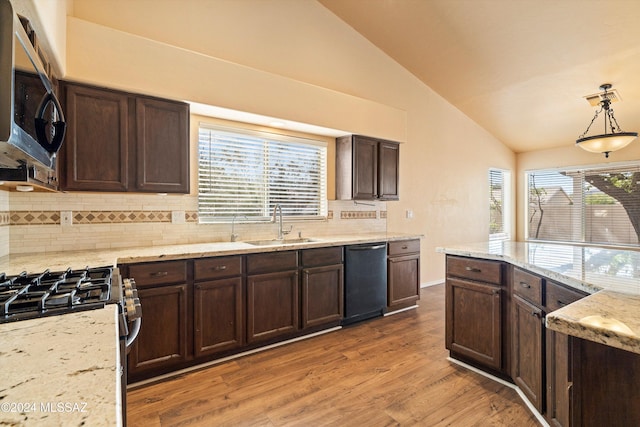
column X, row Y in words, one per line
column 34, row 218
column 132, row 217
column 358, row 215
column 90, row 217
column 119, row 217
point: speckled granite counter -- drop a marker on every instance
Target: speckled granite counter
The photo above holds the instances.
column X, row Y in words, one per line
column 14, row 264
column 61, row 370
column 608, row 316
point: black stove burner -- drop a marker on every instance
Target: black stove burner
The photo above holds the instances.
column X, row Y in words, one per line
column 34, row 295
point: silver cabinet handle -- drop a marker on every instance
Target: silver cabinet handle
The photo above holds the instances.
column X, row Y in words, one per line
column 473, row 269
column 366, row 248
column 525, row 285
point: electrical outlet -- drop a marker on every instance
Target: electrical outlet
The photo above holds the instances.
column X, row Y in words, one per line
column 66, row 218
column 177, row 217
column 409, row 214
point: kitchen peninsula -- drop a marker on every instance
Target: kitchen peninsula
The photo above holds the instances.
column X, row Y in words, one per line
column 580, row 363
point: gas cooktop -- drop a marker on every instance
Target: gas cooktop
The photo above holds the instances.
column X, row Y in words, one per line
column 28, row 296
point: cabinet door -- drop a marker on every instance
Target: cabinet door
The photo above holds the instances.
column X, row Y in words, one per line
column 558, row 369
column 162, row 132
column 322, row 295
column 474, row 321
column 388, row 172
column 365, row 168
column 528, row 332
column 606, row 389
column 559, row 358
column 404, row 281
column 218, row 316
column 272, row 305
column 95, row 153
column 162, row 342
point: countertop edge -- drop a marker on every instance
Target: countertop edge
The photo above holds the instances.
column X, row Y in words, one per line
column 59, row 261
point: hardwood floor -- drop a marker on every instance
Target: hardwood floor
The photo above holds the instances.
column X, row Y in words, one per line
column 389, row 371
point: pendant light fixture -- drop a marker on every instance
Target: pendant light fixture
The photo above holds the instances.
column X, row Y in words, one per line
column 613, row 137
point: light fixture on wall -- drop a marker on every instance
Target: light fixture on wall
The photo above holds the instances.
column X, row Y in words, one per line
column 613, row 138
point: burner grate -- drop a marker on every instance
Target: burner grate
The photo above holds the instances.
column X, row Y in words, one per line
column 34, row 295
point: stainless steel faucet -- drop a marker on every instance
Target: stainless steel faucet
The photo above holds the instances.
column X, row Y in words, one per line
column 278, row 209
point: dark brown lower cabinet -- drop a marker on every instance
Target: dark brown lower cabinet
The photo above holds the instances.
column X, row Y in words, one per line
column 474, row 321
column 218, row 316
column 571, row 381
column 162, row 342
column 197, row 310
column 559, row 358
column 606, row 385
column 403, row 271
column 527, row 357
column 322, row 295
column 273, row 307
column 558, row 379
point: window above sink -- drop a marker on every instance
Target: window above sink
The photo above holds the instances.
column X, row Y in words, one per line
column 243, row 174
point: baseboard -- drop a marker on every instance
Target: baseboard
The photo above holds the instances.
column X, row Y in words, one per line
column 431, row 283
column 400, row 310
column 532, row 409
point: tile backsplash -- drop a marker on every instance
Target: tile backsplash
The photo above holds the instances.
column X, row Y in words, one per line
column 51, row 222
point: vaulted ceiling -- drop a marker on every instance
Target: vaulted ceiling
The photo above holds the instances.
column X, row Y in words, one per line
column 519, row 68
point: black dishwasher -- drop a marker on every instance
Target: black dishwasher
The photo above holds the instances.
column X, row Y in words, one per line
column 365, row 284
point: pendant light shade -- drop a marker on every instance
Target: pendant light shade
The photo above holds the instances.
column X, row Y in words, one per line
column 613, row 138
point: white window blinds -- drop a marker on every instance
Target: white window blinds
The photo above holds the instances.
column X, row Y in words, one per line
column 498, row 204
column 592, row 205
column 245, row 174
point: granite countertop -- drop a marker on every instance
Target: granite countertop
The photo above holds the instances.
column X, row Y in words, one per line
column 61, row 370
column 609, row 315
column 60, row 261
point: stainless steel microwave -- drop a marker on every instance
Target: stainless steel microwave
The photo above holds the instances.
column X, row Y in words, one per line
column 32, row 124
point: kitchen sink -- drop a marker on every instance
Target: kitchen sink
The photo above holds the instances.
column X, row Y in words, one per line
column 275, row 242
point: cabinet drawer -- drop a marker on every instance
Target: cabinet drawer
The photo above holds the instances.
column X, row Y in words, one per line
column 321, row 256
column 217, row 268
column 558, row 296
column 272, row 262
column 404, row 247
column 157, row 273
column 527, row 286
column 475, row 269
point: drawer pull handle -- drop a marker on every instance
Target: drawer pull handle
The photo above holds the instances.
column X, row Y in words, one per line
column 525, row 285
column 496, row 292
column 535, row 313
column 220, row 267
column 561, row 303
column 473, row 269
column 405, row 247
column 159, row 274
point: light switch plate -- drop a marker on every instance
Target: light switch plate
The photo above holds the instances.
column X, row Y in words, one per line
column 66, row 218
column 177, row 217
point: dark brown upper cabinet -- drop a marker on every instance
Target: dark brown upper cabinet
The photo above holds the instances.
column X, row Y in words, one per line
column 119, row 141
column 366, row 168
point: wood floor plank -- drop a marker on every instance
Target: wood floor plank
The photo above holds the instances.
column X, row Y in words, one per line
column 389, row 371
